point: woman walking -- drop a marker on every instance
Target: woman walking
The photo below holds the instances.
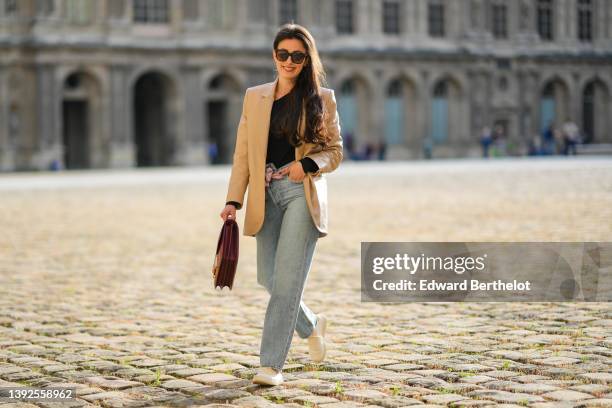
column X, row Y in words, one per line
column 287, row 139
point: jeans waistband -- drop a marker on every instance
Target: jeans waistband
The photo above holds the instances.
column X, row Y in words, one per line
column 272, row 172
column 275, row 169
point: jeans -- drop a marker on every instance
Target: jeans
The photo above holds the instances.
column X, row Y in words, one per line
column 285, row 246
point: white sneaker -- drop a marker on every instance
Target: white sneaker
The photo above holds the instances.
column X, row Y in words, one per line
column 268, row 376
column 316, row 341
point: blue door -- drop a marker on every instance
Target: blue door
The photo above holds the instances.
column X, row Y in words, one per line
column 439, row 120
column 547, row 112
column 347, row 109
column 348, row 114
column 394, row 120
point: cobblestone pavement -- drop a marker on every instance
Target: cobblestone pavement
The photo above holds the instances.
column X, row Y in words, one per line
column 105, row 286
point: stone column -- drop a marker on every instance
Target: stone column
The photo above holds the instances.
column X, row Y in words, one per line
column 463, row 22
column 192, row 149
column 477, row 100
column 176, row 118
column 129, row 11
column 273, row 17
column 361, row 18
column 377, row 108
column 527, row 97
column 408, row 19
column 513, row 16
column 465, row 136
column 101, row 13
column 5, row 148
column 175, row 16
column 575, row 98
column 425, row 91
column 122, row 150
column 452, row 19
column 532, row 98
column 24, row 121
column 375, row 14
column 48, row 145
column 524, row 117
column 241, row 15
column 102, row 157
column 421, row 18
column 304, row 13
column 602, row 20
column 328, row 18
column 561, row 24
column 321, row 10
column 571, row 33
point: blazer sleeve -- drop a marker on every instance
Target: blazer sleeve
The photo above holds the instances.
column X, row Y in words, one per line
column 239, row 178
column 330, row 157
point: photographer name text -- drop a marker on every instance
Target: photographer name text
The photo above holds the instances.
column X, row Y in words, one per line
column 433, row 285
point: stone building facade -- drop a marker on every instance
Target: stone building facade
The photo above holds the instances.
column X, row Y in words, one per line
column 126, row 83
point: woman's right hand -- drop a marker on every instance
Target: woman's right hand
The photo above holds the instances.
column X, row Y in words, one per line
column 228, row 211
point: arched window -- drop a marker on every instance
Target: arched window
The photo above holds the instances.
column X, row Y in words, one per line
column 344, row 16
column 585, row 20
column 441, row 90
column 545, row 19
column 10, row 7
column 499, row 23
column 348, row 88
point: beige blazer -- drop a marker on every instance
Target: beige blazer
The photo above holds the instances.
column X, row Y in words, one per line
column 248, row 168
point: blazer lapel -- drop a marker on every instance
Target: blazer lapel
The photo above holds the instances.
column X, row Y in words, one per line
column 264, row 114
column 265, row 111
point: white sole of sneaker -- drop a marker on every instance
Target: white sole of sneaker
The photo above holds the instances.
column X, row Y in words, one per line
column 323, row 321
column 264, row 379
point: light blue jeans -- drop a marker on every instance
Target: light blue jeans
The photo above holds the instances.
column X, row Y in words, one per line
column 285, row 246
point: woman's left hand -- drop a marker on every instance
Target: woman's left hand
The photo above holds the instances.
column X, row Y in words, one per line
column 295, row 171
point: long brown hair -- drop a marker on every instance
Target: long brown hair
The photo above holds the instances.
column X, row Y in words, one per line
column 306, row 91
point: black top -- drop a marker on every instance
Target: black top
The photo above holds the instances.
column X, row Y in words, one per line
column 280, row 151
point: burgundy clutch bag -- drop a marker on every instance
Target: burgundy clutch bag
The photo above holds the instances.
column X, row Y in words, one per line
column 226, row 259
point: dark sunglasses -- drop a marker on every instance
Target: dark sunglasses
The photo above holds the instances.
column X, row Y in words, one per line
column 296, row 56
